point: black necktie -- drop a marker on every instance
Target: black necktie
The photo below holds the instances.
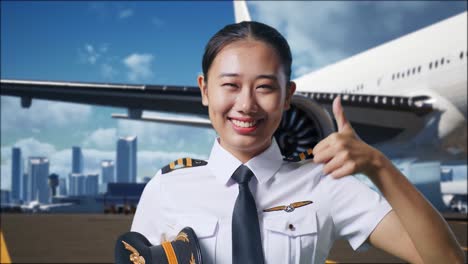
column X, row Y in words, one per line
column 246, row 240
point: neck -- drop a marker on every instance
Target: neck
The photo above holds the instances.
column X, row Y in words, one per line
column 244, row 155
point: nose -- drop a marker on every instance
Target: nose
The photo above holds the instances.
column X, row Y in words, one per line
column 246, row 101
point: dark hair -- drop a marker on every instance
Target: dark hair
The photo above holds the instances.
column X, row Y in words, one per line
column 247, row 30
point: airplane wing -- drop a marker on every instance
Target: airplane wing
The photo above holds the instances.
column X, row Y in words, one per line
column 165, row 98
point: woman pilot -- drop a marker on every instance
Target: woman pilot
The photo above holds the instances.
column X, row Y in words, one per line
column 248, row 205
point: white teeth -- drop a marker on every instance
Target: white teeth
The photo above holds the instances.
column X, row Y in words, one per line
column 243, row 124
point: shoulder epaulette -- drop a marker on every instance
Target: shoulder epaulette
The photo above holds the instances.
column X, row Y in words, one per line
column 301, row 156
column 182, row 163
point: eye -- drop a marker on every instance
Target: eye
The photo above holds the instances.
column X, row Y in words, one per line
column 229, row 85
column 266, row 87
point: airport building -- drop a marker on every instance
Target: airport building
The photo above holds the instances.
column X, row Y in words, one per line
column 77, row 160
column 16, row 175
column 38, row 180
column 126, row 167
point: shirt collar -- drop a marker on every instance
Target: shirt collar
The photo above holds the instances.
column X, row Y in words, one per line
column 223, row 164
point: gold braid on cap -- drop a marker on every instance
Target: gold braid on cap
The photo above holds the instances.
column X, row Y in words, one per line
column 182, row 236
column 135, row 257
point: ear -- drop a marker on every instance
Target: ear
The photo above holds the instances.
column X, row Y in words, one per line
column 289, row 94
column 203, row 89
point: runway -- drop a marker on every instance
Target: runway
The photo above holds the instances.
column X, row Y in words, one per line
column 85, row 238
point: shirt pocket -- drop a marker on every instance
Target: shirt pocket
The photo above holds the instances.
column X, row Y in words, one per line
column 290, row 237
column 206, row 229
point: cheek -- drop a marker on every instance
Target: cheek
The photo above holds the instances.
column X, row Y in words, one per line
column 272, row 104
column 219, row 103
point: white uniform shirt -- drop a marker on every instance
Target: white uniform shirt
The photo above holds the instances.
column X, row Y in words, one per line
column 203, row 198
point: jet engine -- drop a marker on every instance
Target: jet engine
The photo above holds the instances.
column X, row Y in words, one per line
column 303, row 126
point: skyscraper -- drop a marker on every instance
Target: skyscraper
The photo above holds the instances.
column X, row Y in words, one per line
column 17, row 175
column 77, row 160
column 77, row 184
column 63, row 187
column 107, row 171
column 38, row 184
column 92, row 181
column 126, row 159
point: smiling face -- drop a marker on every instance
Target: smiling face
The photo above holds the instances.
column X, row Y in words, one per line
column 246, row 94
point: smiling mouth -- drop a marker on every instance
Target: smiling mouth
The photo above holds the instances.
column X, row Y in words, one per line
column 244, row 124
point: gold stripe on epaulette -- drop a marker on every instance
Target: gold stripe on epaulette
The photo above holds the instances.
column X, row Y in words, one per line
column 189, row 162
column 172, row 165
column 302, row 156
column 180, row 162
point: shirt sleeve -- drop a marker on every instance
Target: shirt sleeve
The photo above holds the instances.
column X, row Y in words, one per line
column 148, row 212
column 356, row 210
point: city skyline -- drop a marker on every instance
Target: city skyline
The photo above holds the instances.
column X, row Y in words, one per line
column 33, row 184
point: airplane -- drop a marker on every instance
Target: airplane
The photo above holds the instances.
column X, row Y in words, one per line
column 406, row 97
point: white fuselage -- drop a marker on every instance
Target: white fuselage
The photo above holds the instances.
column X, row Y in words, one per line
column 429, row 62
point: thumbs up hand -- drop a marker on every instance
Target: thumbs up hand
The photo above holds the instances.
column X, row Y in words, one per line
column 343, row 152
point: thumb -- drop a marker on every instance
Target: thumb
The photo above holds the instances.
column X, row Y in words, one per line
column 340, row 117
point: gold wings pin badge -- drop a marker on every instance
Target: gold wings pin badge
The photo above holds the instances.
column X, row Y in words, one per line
column 135, row 257
column 288, row 208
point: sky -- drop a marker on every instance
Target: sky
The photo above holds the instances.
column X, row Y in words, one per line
column 160, row 43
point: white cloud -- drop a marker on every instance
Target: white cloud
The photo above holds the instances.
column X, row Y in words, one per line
column 90, row 54
column 108, row 71
column 102, row 138
column 323, row 32
column 139, row 66
column 126, row 13
column 41, row 114
column 307, row 37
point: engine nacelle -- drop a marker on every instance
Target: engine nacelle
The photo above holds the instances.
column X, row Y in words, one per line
column 303, row 126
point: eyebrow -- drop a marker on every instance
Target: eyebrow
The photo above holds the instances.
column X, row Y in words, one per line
column 262, row 76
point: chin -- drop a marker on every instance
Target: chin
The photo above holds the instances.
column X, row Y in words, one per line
column 249, row 143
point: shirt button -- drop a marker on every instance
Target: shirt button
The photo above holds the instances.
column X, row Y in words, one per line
column 291, row 227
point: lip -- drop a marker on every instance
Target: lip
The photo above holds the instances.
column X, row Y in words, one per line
column 244, row 130
column 243, row 119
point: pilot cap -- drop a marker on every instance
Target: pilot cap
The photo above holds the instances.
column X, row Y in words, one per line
column 134, row 248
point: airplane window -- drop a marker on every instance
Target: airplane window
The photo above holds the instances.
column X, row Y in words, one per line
column 436, row 64
column 408, row 72
column 403, row 75
column 430, row 65
column 393, row 76
column 398, row 75
column 461, row 55
column 442, row 61
column 419, row 69
column 414, row 70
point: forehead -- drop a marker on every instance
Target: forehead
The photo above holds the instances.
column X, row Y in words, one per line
column 247, row 56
